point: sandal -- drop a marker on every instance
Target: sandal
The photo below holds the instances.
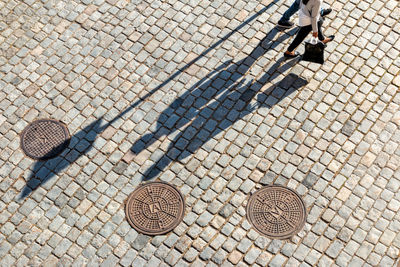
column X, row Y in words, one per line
column 325, row 12
column 296, row 54
column 330, row 37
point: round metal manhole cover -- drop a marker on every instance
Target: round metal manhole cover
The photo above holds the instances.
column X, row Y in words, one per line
column 276, row 212
column 155, row 208
column 44, row 139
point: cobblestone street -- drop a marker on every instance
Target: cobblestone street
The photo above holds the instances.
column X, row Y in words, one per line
column 198, row 94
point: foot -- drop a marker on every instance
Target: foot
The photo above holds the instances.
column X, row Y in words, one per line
column 325, row 12
column 328, row 39
column 285, row 24
column 292, row 54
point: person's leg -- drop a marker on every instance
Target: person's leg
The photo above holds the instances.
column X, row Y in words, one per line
column 289, row 13
column 301, row 35
column 321, row 36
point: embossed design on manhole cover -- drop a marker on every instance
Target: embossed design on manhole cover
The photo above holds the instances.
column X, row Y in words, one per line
column 155, row 208
column 44, row 139
column 276, row 212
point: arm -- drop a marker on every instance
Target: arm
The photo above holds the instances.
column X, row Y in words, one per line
column 315, row 16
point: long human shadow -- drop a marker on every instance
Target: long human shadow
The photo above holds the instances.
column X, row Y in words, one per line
column 201, row 130
column 43, row 171
column 213, row 104
column 214, row 83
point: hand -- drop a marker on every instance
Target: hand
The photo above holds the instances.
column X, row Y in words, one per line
column 315, row 34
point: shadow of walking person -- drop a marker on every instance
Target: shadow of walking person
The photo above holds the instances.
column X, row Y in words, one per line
column 216, row 82
column 200, row 130
column 210, row 106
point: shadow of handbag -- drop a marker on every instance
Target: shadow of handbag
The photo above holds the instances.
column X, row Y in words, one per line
column 314, row 51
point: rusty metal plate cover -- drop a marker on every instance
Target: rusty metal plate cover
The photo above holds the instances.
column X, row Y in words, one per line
column 276, row 212
column 155, row 208
column 44, row 139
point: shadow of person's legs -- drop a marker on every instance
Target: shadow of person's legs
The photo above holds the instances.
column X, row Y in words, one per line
column 169, row 122
column 241, row 108
column 213, row 84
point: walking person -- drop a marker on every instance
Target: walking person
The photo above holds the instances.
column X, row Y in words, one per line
column 285, row 22
column 309, row 20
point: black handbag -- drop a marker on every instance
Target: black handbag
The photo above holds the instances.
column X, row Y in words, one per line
column 314, row 52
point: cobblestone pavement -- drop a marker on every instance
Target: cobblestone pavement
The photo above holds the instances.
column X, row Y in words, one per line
column 196, row 93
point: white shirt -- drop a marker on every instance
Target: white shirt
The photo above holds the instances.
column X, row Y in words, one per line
column 309, row 14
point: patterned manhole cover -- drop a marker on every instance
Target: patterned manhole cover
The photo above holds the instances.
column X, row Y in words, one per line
column 155, row 208
column 276, row 212
column 44, row 139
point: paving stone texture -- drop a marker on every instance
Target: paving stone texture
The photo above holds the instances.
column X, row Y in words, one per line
column 197, row 94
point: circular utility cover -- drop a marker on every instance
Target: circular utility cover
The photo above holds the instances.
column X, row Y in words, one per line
column 155, row 208
column 276, row 212
column 44, row 139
